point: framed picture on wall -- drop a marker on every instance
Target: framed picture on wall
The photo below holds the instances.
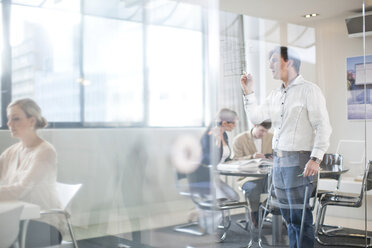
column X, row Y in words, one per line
column 359, row 88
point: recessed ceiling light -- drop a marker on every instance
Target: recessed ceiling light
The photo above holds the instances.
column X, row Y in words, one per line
column 311, row 15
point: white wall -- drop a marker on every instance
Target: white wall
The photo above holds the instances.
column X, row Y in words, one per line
column 333, row 47
column 126, row 173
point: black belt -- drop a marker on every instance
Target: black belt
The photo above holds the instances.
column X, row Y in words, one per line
column 280, row 153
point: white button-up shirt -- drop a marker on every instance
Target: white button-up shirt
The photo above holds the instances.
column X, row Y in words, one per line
column 298, row 114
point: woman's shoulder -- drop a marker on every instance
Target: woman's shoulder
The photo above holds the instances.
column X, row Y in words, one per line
column 46, row 147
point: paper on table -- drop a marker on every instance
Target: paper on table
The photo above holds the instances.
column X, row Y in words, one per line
column 242, row 165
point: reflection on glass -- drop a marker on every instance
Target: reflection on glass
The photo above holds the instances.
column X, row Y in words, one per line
column 44, row 61
column 113, row 67
column 175, row 61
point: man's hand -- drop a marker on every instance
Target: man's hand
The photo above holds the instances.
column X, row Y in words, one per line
column 246, row 82
column 258, row 155
column 311, row 168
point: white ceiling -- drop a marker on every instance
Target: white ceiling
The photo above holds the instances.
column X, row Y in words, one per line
column 293, row 10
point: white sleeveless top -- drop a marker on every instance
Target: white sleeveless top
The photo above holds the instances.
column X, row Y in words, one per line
column 225, row 153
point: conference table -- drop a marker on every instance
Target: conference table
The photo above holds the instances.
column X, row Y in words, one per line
column 261, row 171
column 29, row 211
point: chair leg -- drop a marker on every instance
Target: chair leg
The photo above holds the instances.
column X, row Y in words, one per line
column 248, row 221
column 70, row 230
column 244, row 223
column 226, row 223
column 260, row 224
column 318, row 222
column 24, row 233
column 260, row 216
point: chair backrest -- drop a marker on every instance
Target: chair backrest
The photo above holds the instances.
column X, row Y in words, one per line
column 66, row 192
column 9, row 226
column 332, row 162
column 312, row 196
column 200, row 181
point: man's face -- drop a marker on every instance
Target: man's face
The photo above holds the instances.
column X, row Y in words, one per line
column 279, row 67
column 259, row 132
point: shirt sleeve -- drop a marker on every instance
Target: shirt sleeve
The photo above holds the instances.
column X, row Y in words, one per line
column 319, row 120
column 257, row 113
column 43, row 165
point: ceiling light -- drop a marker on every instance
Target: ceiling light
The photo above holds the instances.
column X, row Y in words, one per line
column 311, row 15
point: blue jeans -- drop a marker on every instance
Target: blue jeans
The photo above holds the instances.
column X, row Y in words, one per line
column 290, row 191
column 253, row 190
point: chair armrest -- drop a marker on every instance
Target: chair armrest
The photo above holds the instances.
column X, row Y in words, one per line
column 320, row 193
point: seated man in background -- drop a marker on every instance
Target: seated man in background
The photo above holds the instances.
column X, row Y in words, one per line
column 252, row 144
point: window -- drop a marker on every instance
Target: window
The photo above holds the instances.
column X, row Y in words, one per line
column 113, row 71
column 44, row 61
column 95, row 67
column 175, row 76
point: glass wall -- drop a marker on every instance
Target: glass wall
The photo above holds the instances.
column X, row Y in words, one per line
column 146, row 111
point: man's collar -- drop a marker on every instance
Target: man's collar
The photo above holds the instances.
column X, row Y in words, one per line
column 295, row 81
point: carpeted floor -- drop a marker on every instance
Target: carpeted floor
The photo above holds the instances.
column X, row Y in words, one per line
column 168, row 238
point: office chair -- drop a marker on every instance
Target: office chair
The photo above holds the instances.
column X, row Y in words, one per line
column 273, row 206
column 201, row 194
column 9, row 227
column 66, row 193
column 336, row 199
column 331, row 166
column 183, row 189
column 332, row 162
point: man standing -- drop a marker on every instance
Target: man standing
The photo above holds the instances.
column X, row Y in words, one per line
column 301, row 125
column 252, row 144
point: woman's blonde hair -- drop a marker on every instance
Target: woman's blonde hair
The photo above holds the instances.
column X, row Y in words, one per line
column 31, row 109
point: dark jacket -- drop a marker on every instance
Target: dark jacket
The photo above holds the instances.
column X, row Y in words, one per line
column 208, row 142
column 199, row 180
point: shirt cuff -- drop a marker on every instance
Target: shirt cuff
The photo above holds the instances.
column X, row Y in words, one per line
column 249, row 99
column 317, row 153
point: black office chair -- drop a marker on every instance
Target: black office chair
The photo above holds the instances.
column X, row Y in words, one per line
column 332, row 162
column 332, row 168
column 201, row 193
column 273, row 206
column 183, row 189
column 336, row 199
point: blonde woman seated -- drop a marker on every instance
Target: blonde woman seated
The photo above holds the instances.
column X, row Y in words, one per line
column 28, row 171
